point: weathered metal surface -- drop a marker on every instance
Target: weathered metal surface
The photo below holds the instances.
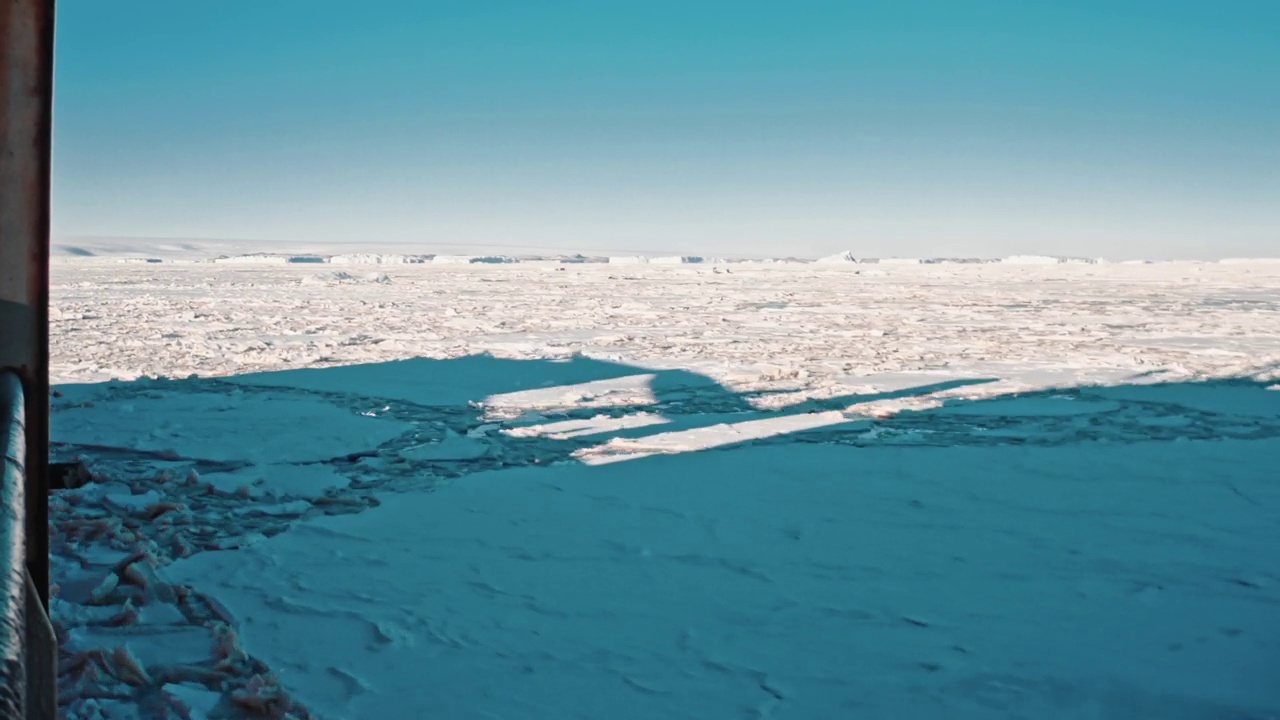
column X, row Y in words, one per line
column 27, row 647
column 17, row 324
column 26, row 107
column 13, row 576
column 42, row 659
column 26, row 63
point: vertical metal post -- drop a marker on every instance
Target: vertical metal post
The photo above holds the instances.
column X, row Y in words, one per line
column 26, row 123
column 27, row 646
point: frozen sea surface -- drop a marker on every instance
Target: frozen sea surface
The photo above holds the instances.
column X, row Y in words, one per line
column 904, row 501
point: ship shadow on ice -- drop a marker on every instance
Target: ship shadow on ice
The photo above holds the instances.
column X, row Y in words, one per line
column 537, row 411
column 546, row 411
column 557, row 407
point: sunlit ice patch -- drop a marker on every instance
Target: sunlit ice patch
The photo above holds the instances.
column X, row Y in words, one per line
column 627, row 391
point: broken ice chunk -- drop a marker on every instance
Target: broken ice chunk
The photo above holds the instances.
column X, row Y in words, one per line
column 198, row 701
column 132, row 503
column 452, row 447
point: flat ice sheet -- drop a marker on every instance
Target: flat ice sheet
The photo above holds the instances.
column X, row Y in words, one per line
column 799, row 581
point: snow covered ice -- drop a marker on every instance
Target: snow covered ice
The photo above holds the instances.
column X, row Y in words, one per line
column 485, row 490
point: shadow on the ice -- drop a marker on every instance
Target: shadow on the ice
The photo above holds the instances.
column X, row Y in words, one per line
column 687, row 412
column 478, row 379
column 571, row 389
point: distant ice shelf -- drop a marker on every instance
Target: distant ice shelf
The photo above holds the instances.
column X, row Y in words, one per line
column 141, row 252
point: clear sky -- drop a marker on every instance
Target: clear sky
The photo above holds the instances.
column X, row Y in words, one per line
column 1119, row 128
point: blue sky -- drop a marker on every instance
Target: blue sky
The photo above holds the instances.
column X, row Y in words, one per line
column 907, row 127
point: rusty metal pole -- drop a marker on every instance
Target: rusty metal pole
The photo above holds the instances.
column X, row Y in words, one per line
column 26, row 123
